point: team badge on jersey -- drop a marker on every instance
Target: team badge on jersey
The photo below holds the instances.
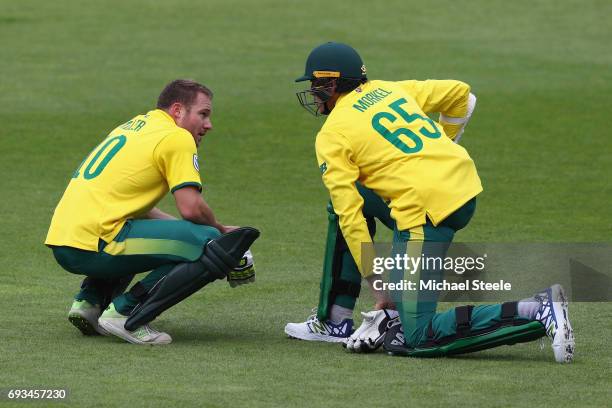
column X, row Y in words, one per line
column 195, row 162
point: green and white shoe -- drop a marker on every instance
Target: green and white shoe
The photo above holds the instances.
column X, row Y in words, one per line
column 84, row 316
column 314, row 329
column 114, row 323
column 553, row 314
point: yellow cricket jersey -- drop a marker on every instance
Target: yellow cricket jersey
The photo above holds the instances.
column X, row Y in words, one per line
column 124, row 177
column 380, row 135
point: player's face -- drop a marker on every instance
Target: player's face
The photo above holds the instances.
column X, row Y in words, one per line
column 196, row 118
column 318, row 89
column 316, row 98
column 319, row 102
column 322, row 90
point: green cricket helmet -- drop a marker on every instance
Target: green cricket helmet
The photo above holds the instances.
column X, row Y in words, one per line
column 328, row 65
column 333, row 60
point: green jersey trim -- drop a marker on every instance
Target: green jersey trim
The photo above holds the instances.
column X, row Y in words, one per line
column 189, row 183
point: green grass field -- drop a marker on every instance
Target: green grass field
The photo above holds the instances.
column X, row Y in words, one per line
column 71, row 71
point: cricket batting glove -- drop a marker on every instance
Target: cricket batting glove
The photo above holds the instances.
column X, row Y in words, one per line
column 244, row 273
column 371, row 334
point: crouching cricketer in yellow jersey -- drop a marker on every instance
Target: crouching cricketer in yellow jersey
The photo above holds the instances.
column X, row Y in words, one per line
column 106, row 225
column 381, row 156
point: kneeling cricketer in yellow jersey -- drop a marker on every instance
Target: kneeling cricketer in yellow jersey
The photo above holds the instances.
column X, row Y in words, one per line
column 382, row 157
column 106, row 225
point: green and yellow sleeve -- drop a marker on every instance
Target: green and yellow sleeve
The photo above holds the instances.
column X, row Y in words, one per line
column 177, row 160
column 339, row 175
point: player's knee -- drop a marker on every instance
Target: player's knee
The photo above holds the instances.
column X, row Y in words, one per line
column 212, row 232
column 202, row 234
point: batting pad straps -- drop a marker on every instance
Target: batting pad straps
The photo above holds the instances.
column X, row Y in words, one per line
column 463, row 324
column 138, row 291
column 509, row 311
column 463, row 319
column 343, row 287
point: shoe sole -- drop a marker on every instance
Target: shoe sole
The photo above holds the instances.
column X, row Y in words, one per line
column 82, row 324
column 564, row 348
column 119, row 333
column 314, row 337
column 85, row 326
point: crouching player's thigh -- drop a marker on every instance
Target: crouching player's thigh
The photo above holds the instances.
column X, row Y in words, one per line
column 152, row 243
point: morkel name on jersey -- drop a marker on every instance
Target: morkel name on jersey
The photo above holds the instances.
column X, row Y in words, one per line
column 370, row 99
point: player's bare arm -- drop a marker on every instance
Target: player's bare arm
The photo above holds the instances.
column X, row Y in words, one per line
column 192, row 207
column 157, row 214
column 381, row 297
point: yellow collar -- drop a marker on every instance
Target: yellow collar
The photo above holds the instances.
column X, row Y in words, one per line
column 163, row 114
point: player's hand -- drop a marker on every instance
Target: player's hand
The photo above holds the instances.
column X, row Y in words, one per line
column 381, row 296
column 227, row 228
column 244, row 273
column 371, row 334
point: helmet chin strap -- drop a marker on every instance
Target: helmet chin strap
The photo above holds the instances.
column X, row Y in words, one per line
column 330, row 97
column 326, row 110
column 324, row 98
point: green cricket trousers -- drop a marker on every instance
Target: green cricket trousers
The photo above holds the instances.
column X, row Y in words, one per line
column 140, row 246
column 418, row 308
